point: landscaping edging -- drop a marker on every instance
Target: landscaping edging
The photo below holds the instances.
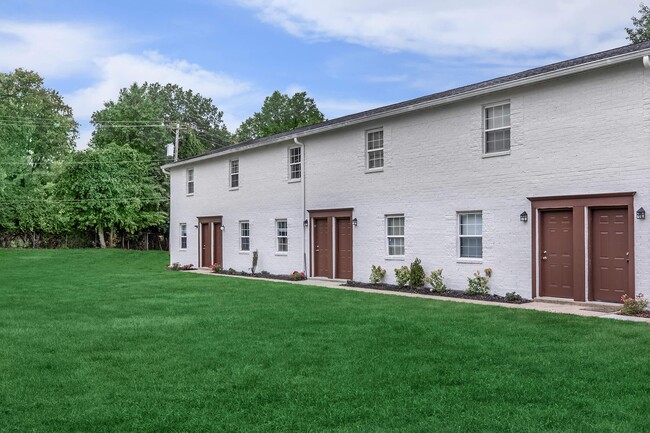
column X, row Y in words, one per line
column 459, row 294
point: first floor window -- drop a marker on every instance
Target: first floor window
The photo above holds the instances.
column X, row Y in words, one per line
column 244, row 236
column 295, row 163
column 183, row 236
column 189, row 176
column 470, row 235
column 282, row 233
column 375, row 149
column 234, row 173
column 395, row 234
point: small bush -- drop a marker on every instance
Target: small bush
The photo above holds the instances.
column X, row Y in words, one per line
column 436, row 281
column 297, row 276
column 176, row 266
column 632, row 306
column 513, row 296
column 403, row 276
column 377, row 274
column 417, row 276
column 479, row 284
column 216, row 267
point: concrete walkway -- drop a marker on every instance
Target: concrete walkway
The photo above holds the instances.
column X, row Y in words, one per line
column 587, row 309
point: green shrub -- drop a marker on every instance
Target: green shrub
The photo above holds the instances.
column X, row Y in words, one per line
column 377, row 274
column 513, row 296
column 479, row 284
column 403, row 276
column 436, row 281
column 632, row 306
column 417, row 276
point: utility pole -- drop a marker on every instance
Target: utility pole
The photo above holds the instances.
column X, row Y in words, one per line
column 178, row 126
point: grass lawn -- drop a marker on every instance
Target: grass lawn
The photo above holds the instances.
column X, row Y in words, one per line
column 109, row 341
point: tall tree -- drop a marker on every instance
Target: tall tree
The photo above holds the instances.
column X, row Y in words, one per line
column 109, row 189
column 36, row 130
column 280, row 113
column 145, row 117
column 641, row 26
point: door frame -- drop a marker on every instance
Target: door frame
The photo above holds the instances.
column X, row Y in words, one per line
column 214, row 221
column 541, row 246
column 331, row 215
column 580, row 205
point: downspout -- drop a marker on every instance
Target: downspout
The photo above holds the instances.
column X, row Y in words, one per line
column 304, row 205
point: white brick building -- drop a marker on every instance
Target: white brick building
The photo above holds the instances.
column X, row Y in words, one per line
column 445, row 178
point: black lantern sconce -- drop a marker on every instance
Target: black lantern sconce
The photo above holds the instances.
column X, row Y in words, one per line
column 640, row 214
column 305, row 223
column 355, row 222
column 523, row 217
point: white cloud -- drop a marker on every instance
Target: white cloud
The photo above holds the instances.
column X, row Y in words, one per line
column 471, row 27
column 51, row 49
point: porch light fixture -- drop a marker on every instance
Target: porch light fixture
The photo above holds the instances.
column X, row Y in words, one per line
column 222, row 228
column 355, row 222
column 640, row 214
column 305, row 223
column 523, row 217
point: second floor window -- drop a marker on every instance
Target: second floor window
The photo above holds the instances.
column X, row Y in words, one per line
column 497, row 128
column 375, row 149
column 234, row 173
column 189, row 180
column 295, row 163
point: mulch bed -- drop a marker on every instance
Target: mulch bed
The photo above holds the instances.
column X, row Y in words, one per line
column 446, row 294
column 258, row 275
column 645, row 314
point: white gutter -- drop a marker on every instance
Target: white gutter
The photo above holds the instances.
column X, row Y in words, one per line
column 428, row 104
column 303, row 175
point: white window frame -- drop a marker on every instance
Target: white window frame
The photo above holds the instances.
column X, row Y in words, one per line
column 466, row 236
column 183, row 235
column 369, row 151
column 393, row 236
column 297, row 165
column 233, row 175
column 189, row 181
column 279, row 237
column 243, row 236
column 504, row 127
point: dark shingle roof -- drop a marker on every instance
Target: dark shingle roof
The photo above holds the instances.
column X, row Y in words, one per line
column 567, row 64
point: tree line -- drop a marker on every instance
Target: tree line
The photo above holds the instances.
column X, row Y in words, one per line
column 113, row 192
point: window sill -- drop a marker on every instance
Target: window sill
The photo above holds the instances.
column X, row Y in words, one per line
column 374, row 170
column 395, row 258
column 233, row 189
column 282, row 254
column 189, row 195
column 294, row 180
column 494, row 154
column 468, row 260
column 245, row 252
column 182, row 249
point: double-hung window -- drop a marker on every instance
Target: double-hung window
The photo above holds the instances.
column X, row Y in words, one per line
column 470, row 235
column 189, row 181
column 295, row 163
column 497, row 128
column 234, row 173
column 395, row 235
column 282, row 236
column 183, row 236
column 375, row 149
column 244, row 236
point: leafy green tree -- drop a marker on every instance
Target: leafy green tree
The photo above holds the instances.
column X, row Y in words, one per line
column 641, row 30
column 145, row 117
column 37, row 130
column 280, row 113
column 109, row 188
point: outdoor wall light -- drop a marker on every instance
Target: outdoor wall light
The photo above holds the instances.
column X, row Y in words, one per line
column 355, row 222
column 305, row 223
column 640, row 214
column 523, row 217
column 223, row 228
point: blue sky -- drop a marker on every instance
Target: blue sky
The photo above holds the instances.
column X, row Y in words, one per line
column 349, row 55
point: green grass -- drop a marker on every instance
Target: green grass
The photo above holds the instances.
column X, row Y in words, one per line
column 109, row 341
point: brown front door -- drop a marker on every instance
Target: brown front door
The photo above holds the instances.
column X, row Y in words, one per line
column 217, row 250
column 322, row 248
column 610, row 254
column 344, row 248
column 556, row 254
column 206, row 245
